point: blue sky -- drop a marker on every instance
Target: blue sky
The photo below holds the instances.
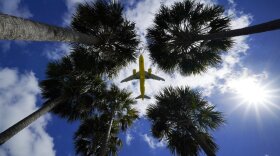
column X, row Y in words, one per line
column 251, row 129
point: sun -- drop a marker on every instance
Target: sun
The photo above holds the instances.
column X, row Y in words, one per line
column 254, row 94
column 250, row 90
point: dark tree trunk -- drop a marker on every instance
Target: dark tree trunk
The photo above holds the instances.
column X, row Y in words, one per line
column 268, row 26
column 201, row 141
column 15, row 28
column 104, row 148
column 13, row 130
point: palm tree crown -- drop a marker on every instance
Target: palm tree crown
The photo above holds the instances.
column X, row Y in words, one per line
column 175, row 32
column 79, row 90
column 183, row 118
column 117, row 39
column 90, row 135
column 74, row 83
column 118, row 104
column 114, row 113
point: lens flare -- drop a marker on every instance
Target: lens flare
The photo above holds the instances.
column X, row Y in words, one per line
column 250, row 91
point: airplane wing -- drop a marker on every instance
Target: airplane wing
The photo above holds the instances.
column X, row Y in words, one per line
column 132, row 77
column 152, row 76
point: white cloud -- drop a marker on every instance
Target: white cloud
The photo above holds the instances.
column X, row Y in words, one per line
column 128, row 138
column 14, row 7
column 71, row 8
column 231, row 2
column 153, row 143
column 17, row 100
column 56, row 51
column 244, row 78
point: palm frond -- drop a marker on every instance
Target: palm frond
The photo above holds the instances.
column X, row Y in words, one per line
column 174, row 37
column 117, row 39
column 181, row 115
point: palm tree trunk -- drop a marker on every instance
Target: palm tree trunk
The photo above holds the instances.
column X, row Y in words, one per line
column 105, row 143
column 268, row 26
column 201, row 141
column 13, row 130
column 15, row 28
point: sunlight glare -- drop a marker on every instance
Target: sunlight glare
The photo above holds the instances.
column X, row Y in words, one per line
column 249, row 90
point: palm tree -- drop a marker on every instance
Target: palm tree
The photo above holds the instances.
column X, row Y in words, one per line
column 71, row 83
column 116, row 35
column 190, row 36
column 183, row 118
column 90, row 135
column 16, row 28
column 68, row 94
column 117, row 108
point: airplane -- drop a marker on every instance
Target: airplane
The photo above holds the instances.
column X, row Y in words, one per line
column 142, row 75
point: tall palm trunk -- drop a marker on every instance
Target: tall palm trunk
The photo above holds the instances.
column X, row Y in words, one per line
column 15, row 28
column 201, row 141
column 13, row 130
column 104, row 147
column 268, row 26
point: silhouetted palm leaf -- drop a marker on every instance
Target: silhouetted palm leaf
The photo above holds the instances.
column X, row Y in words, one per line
column 172, row 39
column 114, row 113
column 79, row 90
column 116, row 35
column 90, row 136
column 182, row 117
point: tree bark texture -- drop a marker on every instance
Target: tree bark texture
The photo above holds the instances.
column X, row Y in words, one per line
column 15, row 28
column 201, row 141
column 104, row 148
column 13, row 130
column 268, row 26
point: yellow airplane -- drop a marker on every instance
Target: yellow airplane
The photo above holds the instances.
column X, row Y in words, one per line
column 142, row 75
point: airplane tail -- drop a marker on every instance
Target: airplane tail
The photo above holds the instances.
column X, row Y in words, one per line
column 145, row 97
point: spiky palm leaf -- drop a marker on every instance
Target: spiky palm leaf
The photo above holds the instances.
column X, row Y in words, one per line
column 177, row 113
column 91, row 133
column 79, row 90
column 119, row 104
column 116, row 35
column 118, row 107
column 114, row 113
column 172, row 39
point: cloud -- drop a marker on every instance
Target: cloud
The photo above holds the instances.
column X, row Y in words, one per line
column 153, row 143
column 56, row 51
column 231, row 2
column 248, row 83
column 128, row 138
column 142, row 13
column 15, row 7
column 71, row 8
column 17, row 100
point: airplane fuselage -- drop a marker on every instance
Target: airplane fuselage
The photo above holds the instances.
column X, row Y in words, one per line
column 142, row 76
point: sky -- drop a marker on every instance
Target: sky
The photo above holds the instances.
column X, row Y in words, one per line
column 249, row 69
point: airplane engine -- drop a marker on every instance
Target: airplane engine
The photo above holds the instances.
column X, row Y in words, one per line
column 150, row 71
column 134, row 71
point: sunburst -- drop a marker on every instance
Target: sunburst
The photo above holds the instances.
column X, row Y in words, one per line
column 251, row 91
column 254, row 95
